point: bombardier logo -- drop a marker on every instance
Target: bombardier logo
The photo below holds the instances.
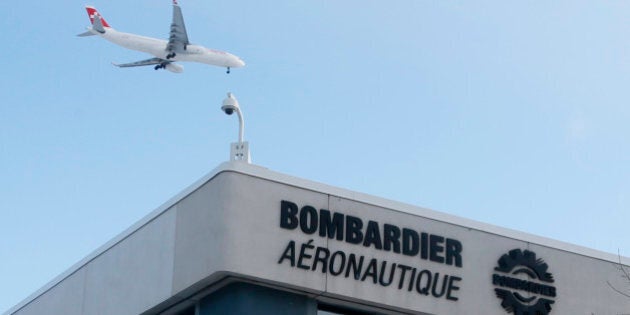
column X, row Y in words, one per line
column 523, row 283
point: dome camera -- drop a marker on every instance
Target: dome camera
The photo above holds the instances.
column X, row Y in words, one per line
column 230, row 104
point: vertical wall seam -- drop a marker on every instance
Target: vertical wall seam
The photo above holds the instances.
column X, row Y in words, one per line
column 175, row 208
column 327, row 247
column 84, row 287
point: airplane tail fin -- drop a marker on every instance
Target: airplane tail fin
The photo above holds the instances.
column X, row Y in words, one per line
column 96, row 18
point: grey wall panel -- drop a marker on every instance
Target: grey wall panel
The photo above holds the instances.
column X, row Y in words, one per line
column 256, row 240
column 581, row 283
column 232, row 225
column 134, row 275
column 64, row 298
column 200, row 237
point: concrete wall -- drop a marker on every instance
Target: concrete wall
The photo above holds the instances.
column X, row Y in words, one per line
column 228, row 224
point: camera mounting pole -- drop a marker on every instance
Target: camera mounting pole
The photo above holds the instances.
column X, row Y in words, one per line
column 239, row 151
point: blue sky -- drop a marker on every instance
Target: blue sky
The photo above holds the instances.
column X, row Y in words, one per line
column 506, row 112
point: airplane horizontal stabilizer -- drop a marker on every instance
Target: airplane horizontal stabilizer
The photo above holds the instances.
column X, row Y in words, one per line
column 87, row 33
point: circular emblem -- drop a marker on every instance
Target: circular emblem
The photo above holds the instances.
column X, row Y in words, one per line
column 523, row 283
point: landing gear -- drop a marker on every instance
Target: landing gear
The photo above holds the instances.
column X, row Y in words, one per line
column 228, row 70
column 171, row 55
column 160, row 66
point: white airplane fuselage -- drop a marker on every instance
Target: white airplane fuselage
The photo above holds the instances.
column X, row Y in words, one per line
column 157, row 48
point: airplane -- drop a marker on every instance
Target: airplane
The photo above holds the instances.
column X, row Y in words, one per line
column 166, row 52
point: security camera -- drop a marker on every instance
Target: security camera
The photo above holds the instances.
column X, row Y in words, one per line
column 230, row 104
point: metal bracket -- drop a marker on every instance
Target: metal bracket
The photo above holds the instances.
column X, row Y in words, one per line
column 239, row 151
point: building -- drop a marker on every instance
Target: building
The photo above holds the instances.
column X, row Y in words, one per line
column 247, row 240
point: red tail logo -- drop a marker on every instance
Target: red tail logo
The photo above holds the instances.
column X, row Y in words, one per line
column 92, row 13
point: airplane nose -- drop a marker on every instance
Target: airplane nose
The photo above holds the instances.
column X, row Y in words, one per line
column 236, row 61
column 240, row 62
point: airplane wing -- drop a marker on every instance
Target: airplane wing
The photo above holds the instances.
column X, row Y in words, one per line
column 178, row 38
column 148, row 62
column 158, row 62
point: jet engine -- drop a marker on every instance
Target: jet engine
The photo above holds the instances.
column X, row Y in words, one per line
column 173, row 67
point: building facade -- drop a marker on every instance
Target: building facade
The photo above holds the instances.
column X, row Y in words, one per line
column 246, row 240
